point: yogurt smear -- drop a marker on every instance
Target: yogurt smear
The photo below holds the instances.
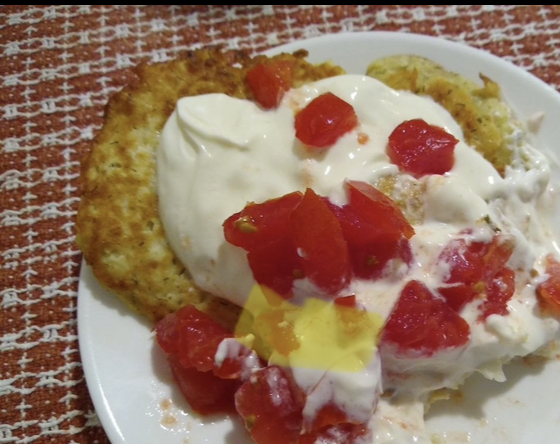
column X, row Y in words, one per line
column 218, row 153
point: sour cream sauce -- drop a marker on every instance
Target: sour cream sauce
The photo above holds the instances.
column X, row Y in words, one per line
column 218, row 153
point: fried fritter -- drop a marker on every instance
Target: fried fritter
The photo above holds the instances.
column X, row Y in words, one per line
column 118, row 227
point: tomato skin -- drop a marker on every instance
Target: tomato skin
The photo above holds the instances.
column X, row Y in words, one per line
column 358, row 229
column 205, row 392
column 318, row 237
column 192, row 336
column 379, row 210
column 276, row 265
column 478, row 269
column 548, row 291
column 499, row 291
column 465, row 262
column 259, row 224
column 369, row 260
column 346, row 301
column 270, row 81
column 374, row 228
column 421, row 322
column 457, row 295
column 271, row 406
column 421, row 149
column 324, row 120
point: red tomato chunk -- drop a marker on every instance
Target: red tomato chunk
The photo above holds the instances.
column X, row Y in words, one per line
column 421, row 322
column 379, row 210
column 258, row 224
column 271, row 406
column 318, row 236
column 294, row 237
column 266, row 398
column 324, row 120
column 205, row 392
column 420, row 149
column 191, row 338
column 548, row 291
column 478, row 270
column 269, row 82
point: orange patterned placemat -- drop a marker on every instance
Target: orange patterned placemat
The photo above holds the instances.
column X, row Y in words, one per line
column 59, row 64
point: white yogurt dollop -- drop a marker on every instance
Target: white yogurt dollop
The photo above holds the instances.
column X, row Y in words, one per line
column 218, row 153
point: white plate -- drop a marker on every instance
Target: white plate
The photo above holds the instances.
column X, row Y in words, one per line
column 127, row 376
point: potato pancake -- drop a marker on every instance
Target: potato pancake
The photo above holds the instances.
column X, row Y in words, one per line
column 118, row 227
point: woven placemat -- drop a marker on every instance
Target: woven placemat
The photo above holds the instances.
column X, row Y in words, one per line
column 59, row 65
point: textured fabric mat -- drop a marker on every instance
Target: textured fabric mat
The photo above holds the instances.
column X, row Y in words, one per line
column 58, row 66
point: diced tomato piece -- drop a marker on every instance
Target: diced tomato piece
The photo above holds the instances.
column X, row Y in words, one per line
column 378, row 209
column 369, row 260
column 193, row 336
column 270, row 81
column 420, row 148
column 358, row 229
column 320, row 243
column 324, row 120
column 497, row 254
column 479, row 269
column 167, row 335
column 499, row 279
column 329, row 414
column 276, row 265
column 372, row 241
column 235, row 361
column 205, row 392
column 346, row 301
column 306, row 236
column 271, row 406
column 457, row 295
column 548, row 291
column 332, row 425
column 259, row 224
column 423, row 323
column 498, row 292
column 464, row 261
column 191, row 339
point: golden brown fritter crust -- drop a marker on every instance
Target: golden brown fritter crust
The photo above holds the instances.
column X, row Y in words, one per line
column 118, row 227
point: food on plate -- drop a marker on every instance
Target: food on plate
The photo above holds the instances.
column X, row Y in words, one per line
column 118, row 227
column 478, row 108
column 324, row 254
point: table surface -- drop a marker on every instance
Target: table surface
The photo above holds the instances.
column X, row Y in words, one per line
column 58, row 66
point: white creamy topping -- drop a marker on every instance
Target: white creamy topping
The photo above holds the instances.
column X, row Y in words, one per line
column 218, row 153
